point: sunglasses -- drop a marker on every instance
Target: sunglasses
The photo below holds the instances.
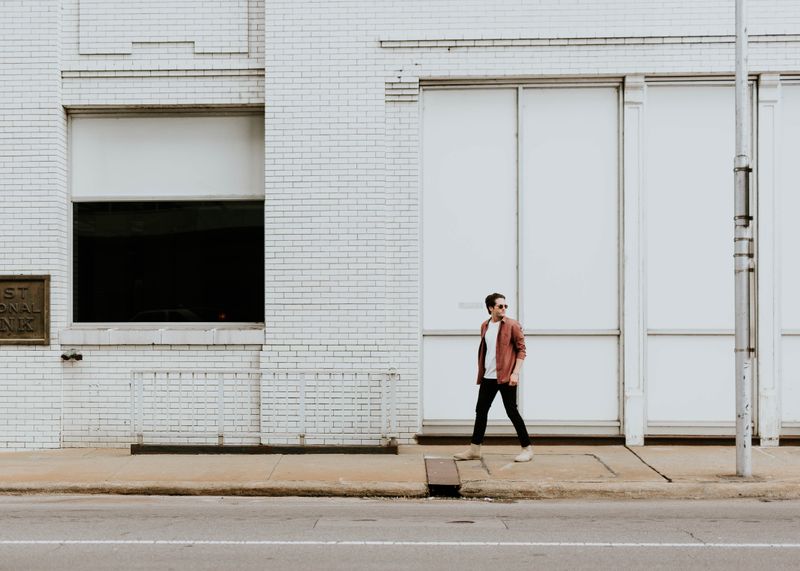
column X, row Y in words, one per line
column 501, row 306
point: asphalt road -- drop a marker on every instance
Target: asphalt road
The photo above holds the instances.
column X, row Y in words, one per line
column 134, row 532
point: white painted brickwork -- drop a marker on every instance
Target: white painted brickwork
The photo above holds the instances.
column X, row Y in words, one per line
column 98, row 391
column 329, row 407
column 158, row 35
column 574, row 18
column 197, row 406
column 33, row 211
column 161, row 57
column 342, row 157
column 334, row 180
column 122, row 89
column 113, row 26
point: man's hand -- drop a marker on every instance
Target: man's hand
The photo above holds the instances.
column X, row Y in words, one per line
column 514, row 380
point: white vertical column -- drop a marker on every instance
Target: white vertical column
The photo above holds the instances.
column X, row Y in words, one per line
column 633, row 319
column 768, row 332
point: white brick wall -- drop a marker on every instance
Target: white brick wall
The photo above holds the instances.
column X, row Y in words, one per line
column 328, row 65
column 328, row 407
column 114, row 26
column 43, row 70
column 575, row 18
column 33, row 211
column 97, row 390
column 342, row 159
column 91, row 89
column 163, row 36
column 156, row 56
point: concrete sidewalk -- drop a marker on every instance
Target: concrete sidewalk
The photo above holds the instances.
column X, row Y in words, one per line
column 675, row 472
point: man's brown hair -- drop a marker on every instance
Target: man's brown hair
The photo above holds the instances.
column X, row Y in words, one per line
column 491, row 300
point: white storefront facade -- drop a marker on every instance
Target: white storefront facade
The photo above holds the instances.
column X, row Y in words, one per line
column 276, row 221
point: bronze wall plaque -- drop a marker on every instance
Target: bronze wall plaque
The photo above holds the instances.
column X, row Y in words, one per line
column 24, row 310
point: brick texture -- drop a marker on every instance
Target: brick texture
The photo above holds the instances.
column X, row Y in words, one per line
column 339, row 81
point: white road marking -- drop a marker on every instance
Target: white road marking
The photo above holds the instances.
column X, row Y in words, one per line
column 18, row 542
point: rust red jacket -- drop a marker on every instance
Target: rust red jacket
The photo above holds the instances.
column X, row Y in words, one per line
column 510, row 347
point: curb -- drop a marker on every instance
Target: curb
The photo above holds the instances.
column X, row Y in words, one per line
column 508, row 490
column 266, row 489
column 632, row 491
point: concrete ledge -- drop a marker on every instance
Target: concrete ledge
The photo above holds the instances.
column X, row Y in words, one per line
column 260, row 449
column 631, row 490
column 494, row 490
column 326, row 489
column 238, row 336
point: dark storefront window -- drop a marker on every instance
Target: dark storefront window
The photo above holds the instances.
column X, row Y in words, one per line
column 169, row 261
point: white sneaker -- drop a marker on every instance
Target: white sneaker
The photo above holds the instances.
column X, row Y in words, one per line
column 471, row 453
column 526, row 455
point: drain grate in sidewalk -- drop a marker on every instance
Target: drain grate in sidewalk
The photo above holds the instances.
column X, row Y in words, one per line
column 443, row 479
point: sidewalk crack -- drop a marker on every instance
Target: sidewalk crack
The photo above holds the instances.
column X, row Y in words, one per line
column 271, row 472
column 642, row 460
column 596, row 457
column 485, row 466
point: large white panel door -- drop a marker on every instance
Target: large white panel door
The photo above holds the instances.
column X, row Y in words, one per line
column 688, row 164
column 569, row 260
column 789, row 261
column 469, row 174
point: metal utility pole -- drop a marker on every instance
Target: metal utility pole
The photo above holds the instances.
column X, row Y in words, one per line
column 743, row 256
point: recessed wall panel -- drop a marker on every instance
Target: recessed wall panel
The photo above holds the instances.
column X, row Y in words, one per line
column 469, row 179
column 570, row 208
column 789, row 206
column 789, row 245
column 790, row 389
column 570, row 379
column 690, row 379
column 116, row 26
column 450, row 369
column 688, row 163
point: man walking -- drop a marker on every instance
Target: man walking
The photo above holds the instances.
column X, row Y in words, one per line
column 500, row 357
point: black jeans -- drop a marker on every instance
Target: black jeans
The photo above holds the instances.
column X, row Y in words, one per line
column 486, row 394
